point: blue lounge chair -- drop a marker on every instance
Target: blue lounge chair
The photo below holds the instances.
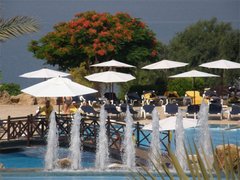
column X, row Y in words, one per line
column 123, row 108
column 215, row 109
column 147, row 110
column 235, row 111
column 192, row 110
column 89, row 110
column 133, row 97
column 111, row 109
column 171, row 109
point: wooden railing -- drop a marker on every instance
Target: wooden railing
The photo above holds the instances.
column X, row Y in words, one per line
column 29, row 128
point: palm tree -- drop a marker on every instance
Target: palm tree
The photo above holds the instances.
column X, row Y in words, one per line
column 17, row 26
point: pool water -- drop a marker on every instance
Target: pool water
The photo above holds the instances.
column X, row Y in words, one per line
column 65, row 175
column 219, row 133
column 33, row 157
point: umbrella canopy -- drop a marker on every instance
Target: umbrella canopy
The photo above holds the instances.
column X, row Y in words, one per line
column 112, row 63
column 165, row 64
column 170, row 124
column 110, row 77
column 58, row 87
column 44, row 73
column 221, row 64
column 194, row 74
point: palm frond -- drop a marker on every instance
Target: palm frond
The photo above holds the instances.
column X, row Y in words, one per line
column 17, row 26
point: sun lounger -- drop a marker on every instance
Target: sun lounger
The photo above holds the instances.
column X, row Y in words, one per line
column 171, row 109
column 146, row 110
column 215, row 109
column 192, row 110
column 234, row 111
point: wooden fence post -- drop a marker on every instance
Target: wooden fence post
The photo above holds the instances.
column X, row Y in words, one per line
column 8, row 128
column 82, row 129
column 138, row 134
column 28, row 129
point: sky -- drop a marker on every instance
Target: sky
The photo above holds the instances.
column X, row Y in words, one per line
column 164, row 17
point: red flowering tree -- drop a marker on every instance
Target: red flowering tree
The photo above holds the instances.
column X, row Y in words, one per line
column 92, row 37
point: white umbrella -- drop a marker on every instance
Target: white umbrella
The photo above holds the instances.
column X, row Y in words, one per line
column 58, row 87
column 110, row 77
column 112, row 63
column 44, row 73
column 221, row 64
column 170, row 124
column 193, row 74
column 165, row 64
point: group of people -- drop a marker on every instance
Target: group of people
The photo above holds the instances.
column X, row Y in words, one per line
column 68, row 107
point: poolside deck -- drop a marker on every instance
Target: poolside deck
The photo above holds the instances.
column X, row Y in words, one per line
column 18, row 110
column 212, row 119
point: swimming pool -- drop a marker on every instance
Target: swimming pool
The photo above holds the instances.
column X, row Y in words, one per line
column 219, row 134
column 22, row 160
column 33, row 157
column 88, row 175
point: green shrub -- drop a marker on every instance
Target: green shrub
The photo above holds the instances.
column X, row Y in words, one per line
column 12, row 88
column 181, row 85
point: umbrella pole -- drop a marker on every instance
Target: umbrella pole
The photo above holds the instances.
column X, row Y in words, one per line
column 222, row 83
column 59, row 104
column 194, row 90
column 112, row 92
column 58, row 108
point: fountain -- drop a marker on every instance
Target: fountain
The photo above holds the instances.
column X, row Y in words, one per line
column 155, row 141
column 129, row 159
column 75, row 143
column 102, row 154
column 179, row 135
column 203, row 136
column 52, row 144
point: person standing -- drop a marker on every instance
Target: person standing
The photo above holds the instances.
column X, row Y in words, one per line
column 67, row 105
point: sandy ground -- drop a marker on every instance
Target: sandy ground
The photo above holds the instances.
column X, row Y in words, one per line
column 24, row 110
column 17, row 110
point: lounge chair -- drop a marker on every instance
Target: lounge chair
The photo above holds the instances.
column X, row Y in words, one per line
column 195, row 96
column 234, row 111
column 89, row 98
column 89, row 110
column 133, row 97
column 147, row 110
column 171, row 96
column 111, row 97
column 123, row 108
column 192, row 110
column 215, row 109
column 150, row 97
column 215, row 99
column 111, row 109
column 171, row 109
